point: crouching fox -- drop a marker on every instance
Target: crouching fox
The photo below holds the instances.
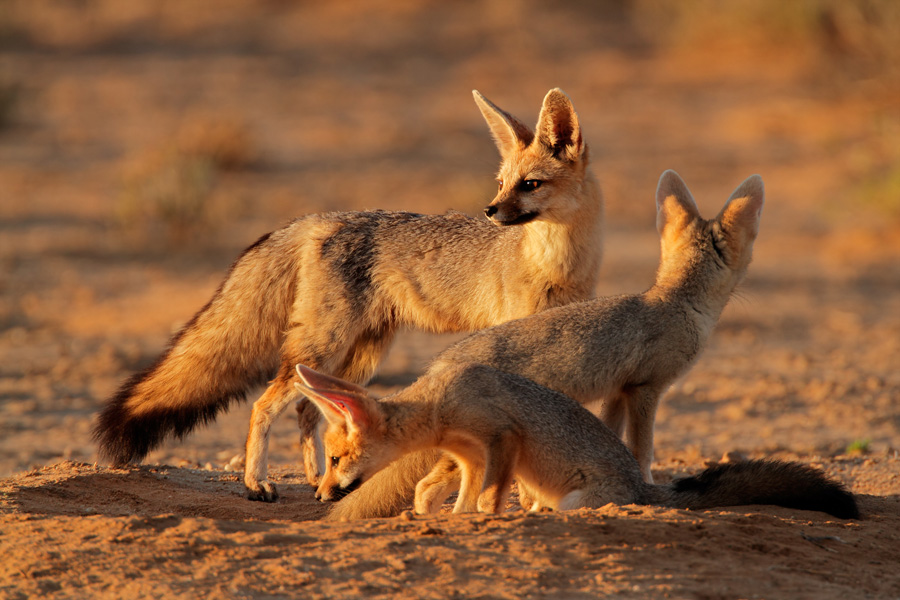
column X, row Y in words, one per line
column 498, row 426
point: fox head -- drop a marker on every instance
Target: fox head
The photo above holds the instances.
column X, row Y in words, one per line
column 714, row 253
column 353, row 440
column 541, row 172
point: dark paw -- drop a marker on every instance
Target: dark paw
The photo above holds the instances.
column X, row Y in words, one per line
column 265, row 493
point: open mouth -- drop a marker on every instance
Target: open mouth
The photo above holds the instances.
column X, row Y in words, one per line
column 520, row 220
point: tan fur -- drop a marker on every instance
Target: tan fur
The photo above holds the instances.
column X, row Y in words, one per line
column 330, row 290
column 626, row 350
column 498, row 425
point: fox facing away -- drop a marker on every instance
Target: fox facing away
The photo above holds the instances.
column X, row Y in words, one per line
column 330, row 291
column 498, row 426
column 625, row 350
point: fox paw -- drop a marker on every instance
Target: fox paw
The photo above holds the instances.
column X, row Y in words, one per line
column 265, row 492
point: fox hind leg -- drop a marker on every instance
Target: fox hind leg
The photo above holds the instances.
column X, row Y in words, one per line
column 311, row 447
column 641, row 406
column 500, row 463
column 280, row 393
column 528, row 498
column 275, row 399
column 613, row 414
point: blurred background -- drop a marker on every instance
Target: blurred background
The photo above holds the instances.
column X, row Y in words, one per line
column 144, row 144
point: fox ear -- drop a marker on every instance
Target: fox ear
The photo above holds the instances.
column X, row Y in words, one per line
column 317, row 380
column 675, row 206
column 510, row 134
column 558, row 127
column 740, row 216
column 340, row 407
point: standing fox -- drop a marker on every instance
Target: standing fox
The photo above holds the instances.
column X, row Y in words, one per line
column 498, row 425
column 625, row 350
column 331, row 290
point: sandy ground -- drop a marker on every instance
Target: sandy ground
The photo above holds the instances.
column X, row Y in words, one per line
column 304, row 108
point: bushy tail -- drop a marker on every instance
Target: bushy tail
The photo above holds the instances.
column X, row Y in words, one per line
column 389, row 491
column 787, row 484
column 228, row 347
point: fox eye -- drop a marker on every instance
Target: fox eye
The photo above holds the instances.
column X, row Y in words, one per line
column 529, row 185
column 335, row 460
column 500, row 184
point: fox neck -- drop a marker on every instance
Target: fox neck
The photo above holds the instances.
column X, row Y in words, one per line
column 697, row 287
column 568, row 252
column 409, row 423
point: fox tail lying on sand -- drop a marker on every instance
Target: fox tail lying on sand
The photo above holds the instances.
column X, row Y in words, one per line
column 787, row 484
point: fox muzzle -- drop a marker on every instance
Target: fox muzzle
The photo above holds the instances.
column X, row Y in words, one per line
column 335, row 493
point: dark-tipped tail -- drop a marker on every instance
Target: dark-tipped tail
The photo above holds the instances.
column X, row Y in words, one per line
column 787, row 484
column 126, row 432
column 231, row 345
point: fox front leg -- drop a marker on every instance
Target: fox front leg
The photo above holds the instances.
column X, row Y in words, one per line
column 434, row 488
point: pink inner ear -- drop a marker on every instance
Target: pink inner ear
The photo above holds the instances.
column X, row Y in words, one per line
column 352, row 408
column 342, row 405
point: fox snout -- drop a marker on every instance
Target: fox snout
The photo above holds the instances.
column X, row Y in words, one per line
column 333, row 493
column 509, row 211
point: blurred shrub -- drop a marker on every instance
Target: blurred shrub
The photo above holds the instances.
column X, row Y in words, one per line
column 874, row 167
column 167, row 191
column 225, row 141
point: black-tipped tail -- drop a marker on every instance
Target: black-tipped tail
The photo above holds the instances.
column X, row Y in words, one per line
column 231, row 345
column 787, row 484
column 125, row 435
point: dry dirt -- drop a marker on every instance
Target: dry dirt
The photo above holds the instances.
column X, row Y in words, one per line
column 306, row 107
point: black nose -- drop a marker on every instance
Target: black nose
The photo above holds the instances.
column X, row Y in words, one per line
column 490, row 210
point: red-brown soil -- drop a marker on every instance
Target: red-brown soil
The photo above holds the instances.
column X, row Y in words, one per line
column 298, row 108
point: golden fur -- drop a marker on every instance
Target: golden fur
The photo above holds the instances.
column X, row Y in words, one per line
column 330, row 290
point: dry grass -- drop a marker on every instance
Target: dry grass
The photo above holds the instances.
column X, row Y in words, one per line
column 168, row 191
